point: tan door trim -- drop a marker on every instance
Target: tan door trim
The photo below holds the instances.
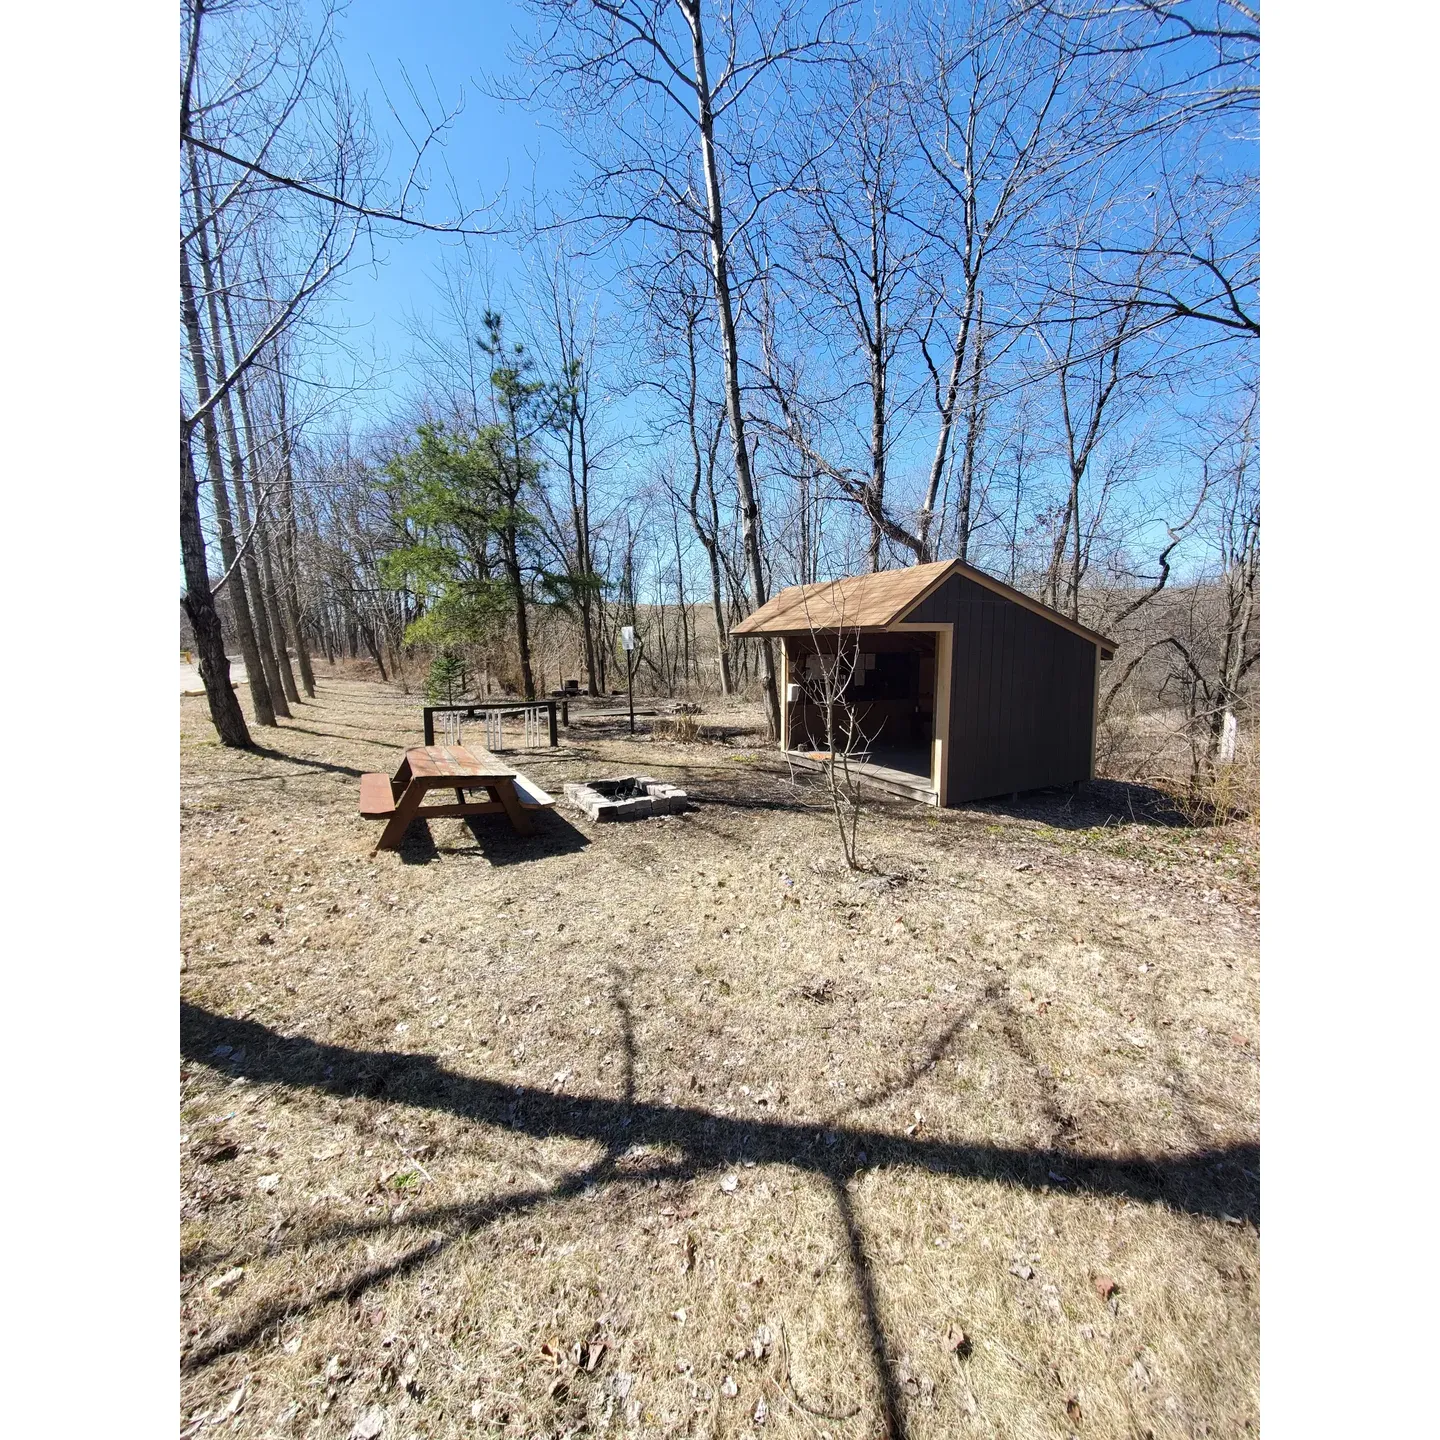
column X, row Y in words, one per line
column 944, row 632
column 1095, row 714
column 784, row 693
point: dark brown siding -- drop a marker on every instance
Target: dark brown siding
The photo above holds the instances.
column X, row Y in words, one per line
column 1022, row 694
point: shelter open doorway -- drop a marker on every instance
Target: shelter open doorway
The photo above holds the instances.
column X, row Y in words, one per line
column 881, row 689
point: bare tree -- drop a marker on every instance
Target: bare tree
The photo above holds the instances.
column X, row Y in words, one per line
column 854, row 262
column 566, row 334
column 1005, row 116
column 825, row 685
column 1095, row 377
column 645, row 66
column 677, row 300
column 264, row 97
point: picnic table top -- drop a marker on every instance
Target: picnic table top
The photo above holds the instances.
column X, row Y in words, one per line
column 456, row 762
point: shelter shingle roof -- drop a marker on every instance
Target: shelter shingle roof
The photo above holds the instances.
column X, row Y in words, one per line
column 875, row 602
column 858, row 601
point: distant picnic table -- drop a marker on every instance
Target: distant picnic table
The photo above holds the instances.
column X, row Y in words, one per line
column 397, row 799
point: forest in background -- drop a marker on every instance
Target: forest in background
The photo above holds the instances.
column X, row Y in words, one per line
column 833, row 291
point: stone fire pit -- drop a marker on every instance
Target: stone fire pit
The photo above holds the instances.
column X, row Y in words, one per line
column 629, row 797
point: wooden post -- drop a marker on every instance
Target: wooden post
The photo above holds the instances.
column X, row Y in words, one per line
column 554, row 735
column 630, row 686
column 429, row 724
column 565, row 713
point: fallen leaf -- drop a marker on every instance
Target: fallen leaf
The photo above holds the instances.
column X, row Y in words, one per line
column 1021, row 1269
column 1072, row 1409
column 728, row 1388
column 224, row 1284
column 267, row 1183
column 1105, row 1285
column 730, row 1184
column 370, row 1425
column 958, row 1342
column 232, row 1404
column 762, row 1411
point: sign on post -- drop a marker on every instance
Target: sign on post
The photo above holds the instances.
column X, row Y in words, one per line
column 627, row 641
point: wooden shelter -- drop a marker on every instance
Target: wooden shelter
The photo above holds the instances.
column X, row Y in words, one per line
column 961, row 686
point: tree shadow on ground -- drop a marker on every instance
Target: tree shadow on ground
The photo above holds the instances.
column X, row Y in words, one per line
column 1095, row 804
column 725, row 797
column 1219, row 1183
column 329, row 765
column 389, row 746
column 610, row 727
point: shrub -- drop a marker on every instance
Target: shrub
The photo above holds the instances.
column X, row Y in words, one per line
column 448, row 680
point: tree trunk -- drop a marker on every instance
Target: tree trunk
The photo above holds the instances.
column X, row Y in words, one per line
column 708, row 539
column 290, row 586
column 580, row 516
column 730, row 354
column 368, row 632
column 254, row 671
column 717, row 609
column 947, row 425
column 225, row 712
column 973, row 425
column 1239, row 612
column 266, row 645
column 1050, row 593
column 877, row 446
column 510, row 547
column 276, row 613
column 268, row 598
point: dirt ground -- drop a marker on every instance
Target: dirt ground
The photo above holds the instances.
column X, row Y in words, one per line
column 678, row 1127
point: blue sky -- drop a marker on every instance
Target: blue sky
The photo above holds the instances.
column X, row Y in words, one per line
column 448, row 47
column 445, row 46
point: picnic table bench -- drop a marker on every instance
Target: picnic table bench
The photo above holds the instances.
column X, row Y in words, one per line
column 397, row 799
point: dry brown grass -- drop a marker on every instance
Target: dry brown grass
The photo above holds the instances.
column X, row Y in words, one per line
column 637, row 1129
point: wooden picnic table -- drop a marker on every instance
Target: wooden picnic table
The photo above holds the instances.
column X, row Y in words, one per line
column 397, row 799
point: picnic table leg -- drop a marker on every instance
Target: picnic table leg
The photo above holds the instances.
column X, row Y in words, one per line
column 519, row 819
column 400, row 779
column 405, row 810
